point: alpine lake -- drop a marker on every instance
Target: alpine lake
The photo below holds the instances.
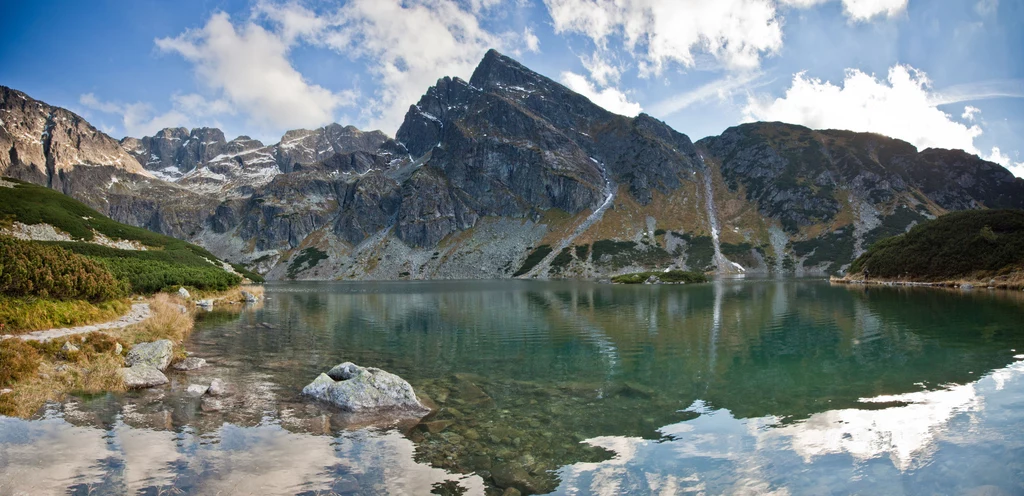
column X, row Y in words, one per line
column 786, row 387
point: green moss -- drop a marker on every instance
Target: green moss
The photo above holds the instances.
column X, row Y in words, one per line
column 672, row 276
column 535, row 257
column 836, row 248
column 618, row 254
column 306, row 260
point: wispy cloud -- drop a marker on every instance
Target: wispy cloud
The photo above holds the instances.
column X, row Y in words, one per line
column 982, row 90
column 722, row 88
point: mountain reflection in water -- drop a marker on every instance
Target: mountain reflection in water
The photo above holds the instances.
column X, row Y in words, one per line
column 758, row 387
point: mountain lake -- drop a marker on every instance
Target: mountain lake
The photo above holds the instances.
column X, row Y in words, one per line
column 785, row 387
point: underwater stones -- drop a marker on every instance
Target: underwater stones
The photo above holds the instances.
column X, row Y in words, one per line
column 197, row 389
column 155, row 354
column 217, row 388
column 190, row 363
column 506, row 475
column 142, row 376
column 365, row 389
column 211, row 404
column 435, row 426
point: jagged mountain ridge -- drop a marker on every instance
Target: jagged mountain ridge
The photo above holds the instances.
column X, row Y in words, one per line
column 512, row 173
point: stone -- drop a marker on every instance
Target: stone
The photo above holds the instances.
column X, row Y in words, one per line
column 207, row 304
column 142, row 376
column 435, row 426
column 366, row 389
column 190, row 363
column 118, row 349
column 343, row 371
column 211, row 405
column 217, row 388
column 6, row 391
column 506, row 475
column 69, row 348
column 249, row 297
column 966, row 286
column 182, row 292
column 197, row 389
column 156, row 354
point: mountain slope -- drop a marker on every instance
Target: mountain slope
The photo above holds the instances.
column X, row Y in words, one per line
column 974, row 245
column 511, row 174
column 148, row 261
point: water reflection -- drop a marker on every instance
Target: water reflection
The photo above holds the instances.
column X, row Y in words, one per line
column 793, row 387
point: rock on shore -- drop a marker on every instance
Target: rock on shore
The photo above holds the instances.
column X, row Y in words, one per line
column 156, row 354
column 364, row 389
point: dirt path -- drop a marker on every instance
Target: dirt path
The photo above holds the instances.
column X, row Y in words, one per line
column 138, row 313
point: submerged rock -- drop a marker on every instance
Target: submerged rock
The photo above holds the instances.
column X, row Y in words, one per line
column 217, row 388
column 156, row 354
column 142, row 376
column 190, row 363
column 364, row 389
column 197, row 389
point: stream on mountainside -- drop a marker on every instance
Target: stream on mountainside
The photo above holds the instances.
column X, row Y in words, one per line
column 758, row 386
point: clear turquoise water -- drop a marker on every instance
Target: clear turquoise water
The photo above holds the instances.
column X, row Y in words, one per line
column 752, row 387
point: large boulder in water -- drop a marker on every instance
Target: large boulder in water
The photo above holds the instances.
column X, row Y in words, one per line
column 156, row 354
column 365, row 389
column 142, row 376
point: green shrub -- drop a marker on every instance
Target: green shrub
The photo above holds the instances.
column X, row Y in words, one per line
column 535, row 257
column 956, row 245
column 30, row 269
column 671, row 276
column 151, row 271
column 307, row 259
column 248, row 274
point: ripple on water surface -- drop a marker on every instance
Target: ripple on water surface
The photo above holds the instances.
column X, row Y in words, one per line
column 787, row 387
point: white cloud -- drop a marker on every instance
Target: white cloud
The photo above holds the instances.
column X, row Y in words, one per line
column 531, row 41
column 865, row 10
column 250, row 67
column 735, row 32
column 986, row 8
column 997, row 156
column 409, row 45
column 197, row 105
column 721, row 89
column 970, row 113
column 899, row 107
column 611, row 99
column 601, row 70
column 858, row 10
column 138, row 119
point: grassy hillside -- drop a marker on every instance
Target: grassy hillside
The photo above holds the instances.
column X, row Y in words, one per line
column 976, row 244
column 166, row 263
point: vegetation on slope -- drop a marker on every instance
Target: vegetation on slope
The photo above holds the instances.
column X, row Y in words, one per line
column 672, row 276
column 166, row 263
column 975, row 244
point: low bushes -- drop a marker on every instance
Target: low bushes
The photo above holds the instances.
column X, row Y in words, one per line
column 32, row 269
column 672, row 276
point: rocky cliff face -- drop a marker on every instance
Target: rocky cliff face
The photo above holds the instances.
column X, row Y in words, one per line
column 511, row 174
column 40, row 141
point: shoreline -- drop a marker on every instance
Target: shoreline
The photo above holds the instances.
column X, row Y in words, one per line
column 1012, row 282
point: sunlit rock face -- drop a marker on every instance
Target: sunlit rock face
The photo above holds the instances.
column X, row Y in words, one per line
column 484, row 173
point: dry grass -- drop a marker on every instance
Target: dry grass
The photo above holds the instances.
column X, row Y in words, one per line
column 169, row 318
column 234, row 295
column 21, row 315
column 45, row 372
column 40, row 372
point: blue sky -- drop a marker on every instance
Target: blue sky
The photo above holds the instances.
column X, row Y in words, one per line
column 943, row 73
